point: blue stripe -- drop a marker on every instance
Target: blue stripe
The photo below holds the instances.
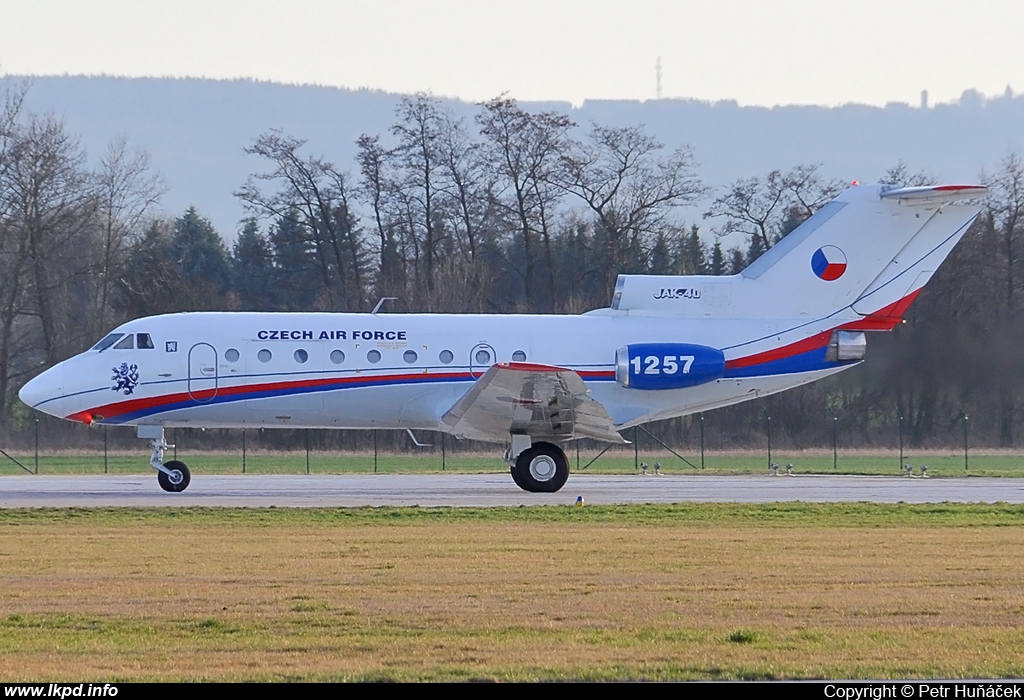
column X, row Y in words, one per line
column 809, row 361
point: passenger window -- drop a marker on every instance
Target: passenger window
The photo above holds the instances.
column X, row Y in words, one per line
column 410, row 356
column 127, row 343
column 337, row 357
column 301, row 356
column 483, row 357
column 519, row 356
column 264, row 355
column 373, row 356
column 144, row 341
column 446, row 357
column 231, row 355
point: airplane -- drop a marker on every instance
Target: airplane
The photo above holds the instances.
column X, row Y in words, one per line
column 667, row 346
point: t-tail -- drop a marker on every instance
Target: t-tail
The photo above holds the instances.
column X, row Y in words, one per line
column 859, row 262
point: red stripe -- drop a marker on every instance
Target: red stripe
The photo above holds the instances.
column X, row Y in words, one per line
column 886, row 318
column 81, row 417
column 595, row 374
column 819, row 340
column 116, row 409
column 530, row 367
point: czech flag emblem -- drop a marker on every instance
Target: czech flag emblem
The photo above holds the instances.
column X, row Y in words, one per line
column 828, row 263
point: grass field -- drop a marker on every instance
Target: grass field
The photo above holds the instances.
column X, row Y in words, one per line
column 944, row 463
column 703, row 591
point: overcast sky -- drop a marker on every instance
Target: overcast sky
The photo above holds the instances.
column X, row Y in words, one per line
column 758, row 52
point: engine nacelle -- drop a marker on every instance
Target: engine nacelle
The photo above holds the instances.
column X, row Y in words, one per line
column 846, row 346
column 667, row 365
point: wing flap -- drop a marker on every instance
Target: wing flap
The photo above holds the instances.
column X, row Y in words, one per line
column 536, row 400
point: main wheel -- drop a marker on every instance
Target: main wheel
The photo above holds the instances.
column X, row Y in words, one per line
column 515, row 477
column 541, row 469
column 177, row 480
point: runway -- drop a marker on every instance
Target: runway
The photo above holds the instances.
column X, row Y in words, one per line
column 351, row 490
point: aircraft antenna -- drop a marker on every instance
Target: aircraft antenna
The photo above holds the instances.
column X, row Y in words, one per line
column 657, row 73
column 381, row 303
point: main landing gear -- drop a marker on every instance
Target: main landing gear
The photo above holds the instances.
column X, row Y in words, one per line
column 173, row 476
column 539, row 467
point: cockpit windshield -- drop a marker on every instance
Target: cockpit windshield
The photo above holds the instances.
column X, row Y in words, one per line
column 107, row 342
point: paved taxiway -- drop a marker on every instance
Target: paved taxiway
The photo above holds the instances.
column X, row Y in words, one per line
column 491, row 490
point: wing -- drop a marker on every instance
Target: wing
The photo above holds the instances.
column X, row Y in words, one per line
column 536, row 400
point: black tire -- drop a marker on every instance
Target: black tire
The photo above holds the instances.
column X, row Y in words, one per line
column 541, row 469
column 177, row 483
column 515, row 477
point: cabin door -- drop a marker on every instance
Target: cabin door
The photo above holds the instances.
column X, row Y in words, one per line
column 202, row 373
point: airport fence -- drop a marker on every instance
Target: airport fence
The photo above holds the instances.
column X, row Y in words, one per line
column 703, row 443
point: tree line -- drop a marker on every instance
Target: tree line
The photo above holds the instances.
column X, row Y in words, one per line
column 512, row 211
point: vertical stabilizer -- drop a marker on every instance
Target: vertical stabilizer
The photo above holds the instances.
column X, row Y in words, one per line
column 863, row 255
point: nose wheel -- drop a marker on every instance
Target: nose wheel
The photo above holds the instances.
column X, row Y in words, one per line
column 176, row 477
column 173, row 476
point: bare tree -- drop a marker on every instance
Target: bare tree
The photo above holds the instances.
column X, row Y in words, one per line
column 619, row 174
column 54, row 207
column 900, row 175
column 127, row 191
column 1004, row 220
column 13, row 251
column 523, row 153
column 1002, row 227
column 418, row 156
column 466, row 183
column 751, row 206
column 317, row 191
column 377, row 188
column 808, row 191
column 768, row 207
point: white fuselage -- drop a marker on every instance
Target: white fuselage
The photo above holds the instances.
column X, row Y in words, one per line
column 324, row 370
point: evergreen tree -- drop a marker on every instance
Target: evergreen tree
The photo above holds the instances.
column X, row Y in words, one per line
column 737, row 261
column 794, row 218
column 148, row 284
column 199, row 252
column 661, row 256
column 297, row 278
column 755, row 250
column 253, row 269
column 717, row 259
column 177, row 266
column 694, row 254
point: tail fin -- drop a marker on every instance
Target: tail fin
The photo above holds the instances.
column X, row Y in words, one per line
column 860, row 259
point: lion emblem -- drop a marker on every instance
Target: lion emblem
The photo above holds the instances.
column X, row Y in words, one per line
column 126, row 378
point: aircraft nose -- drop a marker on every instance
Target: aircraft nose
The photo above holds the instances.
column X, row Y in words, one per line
column 48, row 385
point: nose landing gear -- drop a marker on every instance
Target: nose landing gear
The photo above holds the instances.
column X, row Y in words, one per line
column 173, row 476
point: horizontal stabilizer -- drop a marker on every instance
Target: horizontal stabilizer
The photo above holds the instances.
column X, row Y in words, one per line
column 935, row 194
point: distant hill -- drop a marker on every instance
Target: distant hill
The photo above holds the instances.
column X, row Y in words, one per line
column 196, row 129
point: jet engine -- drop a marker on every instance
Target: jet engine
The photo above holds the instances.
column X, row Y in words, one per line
column 846, row 346
column 667, row 365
